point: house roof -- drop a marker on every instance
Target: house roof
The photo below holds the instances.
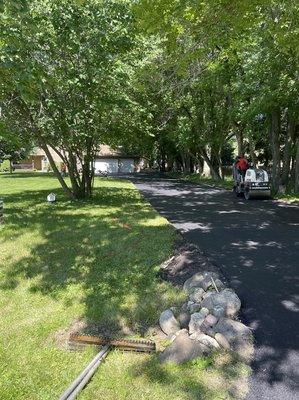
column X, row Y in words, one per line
column 40, row 152
column 109, row 152
column 104, row 151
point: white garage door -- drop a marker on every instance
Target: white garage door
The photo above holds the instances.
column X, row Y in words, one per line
column 109, row 165
column 126, row 165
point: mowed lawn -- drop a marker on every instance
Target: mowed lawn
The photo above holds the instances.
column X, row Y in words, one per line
column 94, row 262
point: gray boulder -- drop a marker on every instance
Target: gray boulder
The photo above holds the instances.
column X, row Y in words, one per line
column 233, row 330
column 207, row 282
column 183, row 349
column 219, row 284
column 218, row 311
column 207, row 341
column 168, row 322
column 224, row 303
column 202, row 280
column 211, row 320
column 197, row 295
column 180, row 332
column 209, row 293
column 183, row 319
column 194, row 307
column 196, row 321
column 208, row 330
column 223, row 342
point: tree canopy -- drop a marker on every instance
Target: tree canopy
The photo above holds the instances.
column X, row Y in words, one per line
column 178, row 82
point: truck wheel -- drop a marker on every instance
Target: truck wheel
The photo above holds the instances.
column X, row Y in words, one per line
column 236, row 192
column 247, row 194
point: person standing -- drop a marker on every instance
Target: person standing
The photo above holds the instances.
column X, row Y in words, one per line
column 242, row 165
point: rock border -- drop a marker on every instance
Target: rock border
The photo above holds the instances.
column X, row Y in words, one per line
column 207, row 321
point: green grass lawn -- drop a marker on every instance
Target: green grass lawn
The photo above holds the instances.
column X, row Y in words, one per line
column 4, row 165
column 291, row 197
column 70, row 264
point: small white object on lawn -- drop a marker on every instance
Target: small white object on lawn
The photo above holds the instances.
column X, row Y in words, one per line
column 51, row 198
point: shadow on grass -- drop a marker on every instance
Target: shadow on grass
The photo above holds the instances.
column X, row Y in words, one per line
column 210, row 377
column 102, row 253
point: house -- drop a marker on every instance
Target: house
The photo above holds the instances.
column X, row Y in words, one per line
column 38, row 161
column 107, row 161
column 115, row 161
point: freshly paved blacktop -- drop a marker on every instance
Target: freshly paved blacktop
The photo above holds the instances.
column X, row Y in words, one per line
column 256, row 246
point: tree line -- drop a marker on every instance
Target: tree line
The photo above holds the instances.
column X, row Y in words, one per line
column 178, row 82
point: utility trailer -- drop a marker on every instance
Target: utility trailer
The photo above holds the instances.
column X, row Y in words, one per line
column 255, row 184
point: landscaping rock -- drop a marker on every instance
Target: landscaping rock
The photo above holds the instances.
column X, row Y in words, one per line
column 206, row 283
column 232, row 330
column 207, row 329
column 219, row 311
column 204, row 310
column 209, row 293
column 183, row 319
column 223, row 342
column 199, row 280
column 168, row 322
column 194, row 307
column 207, row 340
column 224, row 303
column 180, row 332
column 196, row 321
column 197, row 295
column 193, row 336
column 183, row 349
column 211, row 320
column 219, row 284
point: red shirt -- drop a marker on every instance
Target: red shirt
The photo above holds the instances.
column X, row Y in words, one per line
column 242, row 164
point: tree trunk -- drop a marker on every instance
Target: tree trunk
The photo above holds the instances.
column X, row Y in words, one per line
column 57, row 173
column 87, row 174
column 74, row 175
column 163, row 159
column 275, row 149
column 287, row 153
column 215, row 158
column 297, row 167
column 252, row 152
column 214, row 173
column 184, row 158
column 10, row 166
column 239, row 138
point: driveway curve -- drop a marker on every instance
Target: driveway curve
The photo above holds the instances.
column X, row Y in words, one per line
column 256, row 246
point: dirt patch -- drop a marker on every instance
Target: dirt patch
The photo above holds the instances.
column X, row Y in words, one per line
column 61, row 337
column 186, row 261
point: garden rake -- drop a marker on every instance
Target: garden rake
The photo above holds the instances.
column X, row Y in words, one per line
column 107, row 344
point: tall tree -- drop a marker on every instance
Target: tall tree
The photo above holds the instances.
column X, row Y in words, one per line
column 63, row 77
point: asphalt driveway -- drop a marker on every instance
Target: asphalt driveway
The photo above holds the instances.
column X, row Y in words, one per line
column 256, row 246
